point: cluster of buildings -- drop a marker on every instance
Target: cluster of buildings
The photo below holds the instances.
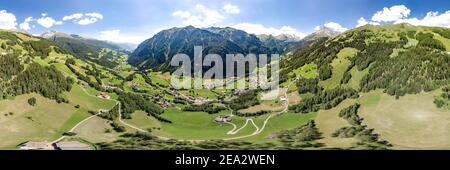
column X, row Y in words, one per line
column 223, row 119
column 103, row 95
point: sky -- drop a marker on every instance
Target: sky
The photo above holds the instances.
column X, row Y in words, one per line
column 133, row 21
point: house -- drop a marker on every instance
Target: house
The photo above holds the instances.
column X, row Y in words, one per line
column 222, row 119
column 71, row 145
column 103, row 95
column 283, row 98
column 102, row 111
column 36, row 146
column 200, row 101
column 135, row 86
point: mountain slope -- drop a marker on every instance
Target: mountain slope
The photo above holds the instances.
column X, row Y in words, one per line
column 157, row 51
column 401, row 59
column 101, row 52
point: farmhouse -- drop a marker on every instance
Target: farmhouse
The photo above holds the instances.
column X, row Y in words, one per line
column 135, row 86
column 222, row 119
column 283, row 98
column 103, row 95
column 200, row 100
column 72, row 145
column 36, row 146
column 102, row 111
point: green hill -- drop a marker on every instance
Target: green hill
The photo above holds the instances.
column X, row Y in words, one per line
column 101, row 52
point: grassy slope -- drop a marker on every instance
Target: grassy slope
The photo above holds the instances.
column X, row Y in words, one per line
column 192, row 125
column 44, row 122
column 412, row 121
column 339, row 64
column 78, row 96
column 278, row 123
column 93, row 131
column 328, row 121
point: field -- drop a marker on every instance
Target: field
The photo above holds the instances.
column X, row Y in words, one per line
column 95, row 130
column 200, row 93
column 411, row 122
column 192, row 125
column 328, row 121
column 78, row 96
column 357, row 77
column 44, row 122
column 142, row 120
column 271, row 106
column 339, row 64
column 308, row 71
column 278, row 123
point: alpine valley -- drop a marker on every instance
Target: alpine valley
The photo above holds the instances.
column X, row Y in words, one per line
column 372, row 87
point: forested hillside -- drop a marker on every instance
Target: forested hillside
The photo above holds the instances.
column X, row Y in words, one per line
column 400, row 59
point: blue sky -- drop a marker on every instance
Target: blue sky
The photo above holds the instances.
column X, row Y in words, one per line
column 137, row 20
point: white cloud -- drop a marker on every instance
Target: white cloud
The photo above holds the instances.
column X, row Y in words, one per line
column 87, row 21
column 25, row 24
column 259, row 29
column 73, row 16
column 182, row 14
column 231, row 9
column 362, row 21
column 48, row 22
column 431, row 19
column 335, row 27
column 84, row 19
column 94, row 15
column 116, row 36
column 393, row 13
column 7, row 20
column 399, row 14
column 317, row 28
column 200, row 16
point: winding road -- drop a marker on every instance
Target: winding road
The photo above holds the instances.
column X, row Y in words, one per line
column 258, row 130
column 231, row 132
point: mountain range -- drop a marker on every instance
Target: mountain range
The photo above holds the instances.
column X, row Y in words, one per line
column 157, row 51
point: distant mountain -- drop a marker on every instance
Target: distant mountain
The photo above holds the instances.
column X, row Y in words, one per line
column 282, row 44
column 129, row 47
column 321, row 33
column 101, row 52
column 73, row 41
column 249, row 42
column 278, row 44
column 157, row 52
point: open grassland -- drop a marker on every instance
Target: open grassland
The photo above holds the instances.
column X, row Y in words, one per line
column 278, row 123
column 357, row 77
column 207, row 93
column 94, row 92
column 192, row 125
column 308, row 71
column 328, row 121
column 160, row 79
column 268, row 105
column 78, row 97
column 294, row 98
column 340, row 65
column 97, row 130
column 141, row 120
column 45, row 121
column 444, row 41
column 411, row 122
